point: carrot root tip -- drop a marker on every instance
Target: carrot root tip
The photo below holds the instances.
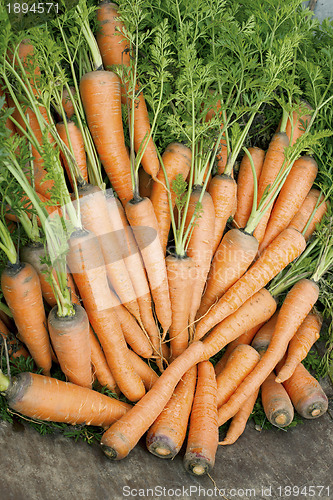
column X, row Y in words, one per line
column 162, row 447
column 109, row 452
column 198, row 466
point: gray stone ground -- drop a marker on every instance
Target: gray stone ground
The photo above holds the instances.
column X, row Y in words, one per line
column 262, row 465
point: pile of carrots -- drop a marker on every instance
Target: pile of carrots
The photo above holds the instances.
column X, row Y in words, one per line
column 137, row 281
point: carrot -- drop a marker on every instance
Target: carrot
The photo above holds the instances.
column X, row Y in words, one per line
column 115, row 50
column 245, row 338
column 306, row 393
column 118, row 441
column 14, row 346
column 74, row 142
column 145, row 372
column 200, row 247
column 239, row 421
column 276, row 402
column 141, row 216
column 273, row 162
column 167, row 434
column 203, row 436
column 100, row 94
column 263, row 337
column 300, row 345
column 21, row 289
column 177, row 161
column 297, row 304
column 245, row 185
column 293, row 193
column 95, row 218
column 180, row 279
column 66, row 102
column 46, row 398
column 232, row 258
column 86, row 264
column 99, row 365
column 313, row 203
column 297, row 123
column 223, row 189
column 145, row 183
column 239, row 364
column 284, row 249
column 70, row 340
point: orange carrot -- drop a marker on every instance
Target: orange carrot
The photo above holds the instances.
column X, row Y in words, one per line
column 67, row 102
column 306, row 393
column 239, row 364
column 145, row 183
column 86, row 263
column 145, row 372
column 223, row 190
column 74, row 142
column 70, row 340
column 298, row 303
column 114, row 50
column 264, row 335
column 239, row 421
column 203, row 436
column 232, row 258
column 141, row 216
column 293, row 193
column 284, row 249
column 273, row 162
column 276, row 402
column 180, row 279
column 310, row 205
column 118, row 441
column 300, row 345
column 100, row 367
column 100, row 94
column 245, row 185
column 177, row 161
column 21, row 289
column 46, row 398
column 167, row 434
column 200, row 247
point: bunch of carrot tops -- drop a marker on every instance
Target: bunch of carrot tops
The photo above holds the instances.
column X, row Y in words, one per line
column 166, row 226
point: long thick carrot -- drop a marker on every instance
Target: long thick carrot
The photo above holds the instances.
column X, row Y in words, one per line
column 119, row 440
column 167, row 434
column 180, row 279
column 284, row 249
column 115, row 50
column 177, row 161
column 142, row 219
column 75, row 143
column 239, row 364
column 200, row 247
column 70, row 341
column 223, row 190
column 21, row 289
column 245, row 185
column 293, row 193
column 46, row 398
column 100, row 94
column 86, row 263
column 239, row 421
column 298, row 303
column 203, row 436
column 314, row 201
column 306, row 393
column 273, row 162
column 234, row 255
column 276, row 402
column 300, row 345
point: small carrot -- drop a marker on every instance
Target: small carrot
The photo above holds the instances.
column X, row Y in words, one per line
column 239, row 421
column 50, row 399
column 283, row 250
column 300, row 345
column 293, row 193
column 203, row 436
column 276, row 402
column 264, row 335
column 100, row 367
column 313, row 207
column 239, row 364
column 145, row 183
column 71, row 135
column 306, row 393
column 167, row 434
column 245, row 185
column 67, row 102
